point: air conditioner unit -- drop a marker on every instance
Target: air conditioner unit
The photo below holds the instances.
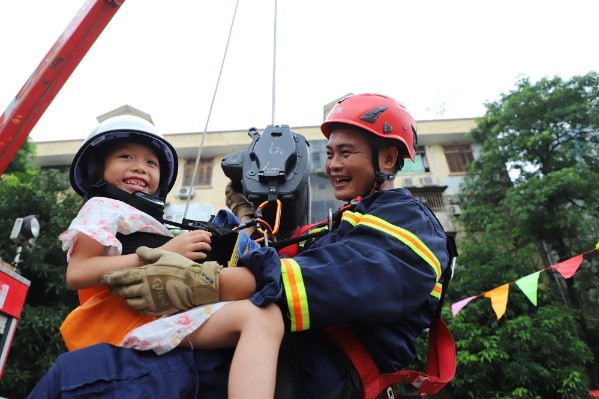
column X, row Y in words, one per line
column 456, row 209
column 408, row 182
column 186, row 192
column 427, row 181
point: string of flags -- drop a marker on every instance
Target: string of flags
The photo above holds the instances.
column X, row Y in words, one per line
column 528, row 285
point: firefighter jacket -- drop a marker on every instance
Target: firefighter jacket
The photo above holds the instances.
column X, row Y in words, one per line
column 379, row 273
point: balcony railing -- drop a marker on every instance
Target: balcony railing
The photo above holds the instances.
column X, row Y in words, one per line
column 438, row 203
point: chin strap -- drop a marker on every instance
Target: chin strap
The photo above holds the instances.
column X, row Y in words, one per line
column 379, row 177
column 152, row 205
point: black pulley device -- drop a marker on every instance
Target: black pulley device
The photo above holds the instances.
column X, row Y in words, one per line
column 276, row 165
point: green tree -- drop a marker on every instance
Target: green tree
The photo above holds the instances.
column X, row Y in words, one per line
column 22, row 160
column 37, row 341
column 529, row 201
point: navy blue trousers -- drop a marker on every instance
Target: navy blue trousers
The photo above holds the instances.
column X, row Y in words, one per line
column 107, row 371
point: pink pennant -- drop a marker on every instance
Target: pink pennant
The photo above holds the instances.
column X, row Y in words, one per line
column 456, row 307
column 568, row 267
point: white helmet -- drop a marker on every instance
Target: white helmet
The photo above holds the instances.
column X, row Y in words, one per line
column 88, row 163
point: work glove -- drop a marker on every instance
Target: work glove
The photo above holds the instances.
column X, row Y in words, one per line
column 167, row 283
column 237, row 203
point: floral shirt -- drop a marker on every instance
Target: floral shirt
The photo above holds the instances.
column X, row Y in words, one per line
column 101, row 218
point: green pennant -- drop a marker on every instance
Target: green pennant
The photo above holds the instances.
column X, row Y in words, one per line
column 528, row 285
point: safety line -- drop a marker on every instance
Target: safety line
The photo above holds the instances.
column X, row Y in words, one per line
column 199, row 154
column 274, row 66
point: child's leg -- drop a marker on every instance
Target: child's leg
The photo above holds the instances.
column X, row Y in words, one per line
column 257, row 332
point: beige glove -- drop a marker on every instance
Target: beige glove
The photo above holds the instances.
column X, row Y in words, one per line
column 237, row 203
column 168, row 284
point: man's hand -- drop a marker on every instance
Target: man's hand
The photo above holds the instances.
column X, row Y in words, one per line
column 237, row 203
column 167, row 283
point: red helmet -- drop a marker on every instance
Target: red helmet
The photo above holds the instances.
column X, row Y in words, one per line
column 377, row 114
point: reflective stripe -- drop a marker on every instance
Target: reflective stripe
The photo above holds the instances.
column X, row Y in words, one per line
column 352, row 218
column 436, row 292
column 403, row 235
column 295, row 291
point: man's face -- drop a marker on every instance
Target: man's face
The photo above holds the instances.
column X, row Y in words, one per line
column 349, row 163
column 133, row 167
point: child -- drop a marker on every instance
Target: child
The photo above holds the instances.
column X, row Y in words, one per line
column 126, row 158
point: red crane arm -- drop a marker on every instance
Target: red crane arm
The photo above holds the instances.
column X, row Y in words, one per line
column 51, row 74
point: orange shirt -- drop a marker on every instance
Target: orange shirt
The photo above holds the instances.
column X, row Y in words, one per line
column 101, row 317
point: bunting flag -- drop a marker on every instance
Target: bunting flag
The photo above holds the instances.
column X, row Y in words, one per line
column 568, row 267
column 456, row 307
column 527, row 284
column 498, row 297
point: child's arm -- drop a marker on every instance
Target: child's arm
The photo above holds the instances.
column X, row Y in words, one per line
column 192, row 244
column 87, row 264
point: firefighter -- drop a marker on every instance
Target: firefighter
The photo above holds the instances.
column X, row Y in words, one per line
column 379, row 271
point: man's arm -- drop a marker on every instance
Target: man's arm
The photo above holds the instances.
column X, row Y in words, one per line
column 170, row 283
column 373, row 268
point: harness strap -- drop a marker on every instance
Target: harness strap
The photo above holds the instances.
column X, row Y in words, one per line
column 440, row 369
column 289, row 247
column 441, row 356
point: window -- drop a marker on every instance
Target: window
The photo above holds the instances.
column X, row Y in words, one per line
column 203, row 174
column 420, row 164
column 318, row 154
column 322, row 197
column 458, row 157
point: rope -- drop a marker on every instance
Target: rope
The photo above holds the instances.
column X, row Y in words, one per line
column 199, row 154
column 274, row 66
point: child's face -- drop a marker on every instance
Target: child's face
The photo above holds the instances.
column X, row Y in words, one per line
column 133, row 167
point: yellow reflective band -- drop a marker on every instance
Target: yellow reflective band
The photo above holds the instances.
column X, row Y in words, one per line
column 411, row 240
column 311, row 231
column 403, row 235
column 436, row 292
column 295, row 292
column 352, row 218
column 318, row 229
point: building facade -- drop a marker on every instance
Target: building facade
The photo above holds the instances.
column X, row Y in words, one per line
column 443, row 152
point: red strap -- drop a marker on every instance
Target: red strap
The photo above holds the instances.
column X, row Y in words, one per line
column 440, row 369
column 292, row 249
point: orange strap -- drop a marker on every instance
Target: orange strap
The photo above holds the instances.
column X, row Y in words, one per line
column 440, row 369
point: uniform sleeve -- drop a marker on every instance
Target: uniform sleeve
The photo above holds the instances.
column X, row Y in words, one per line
column 383, row 262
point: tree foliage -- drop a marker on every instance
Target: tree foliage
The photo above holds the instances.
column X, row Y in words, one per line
column 22, row 160
column 37, row 341
column 530, row 200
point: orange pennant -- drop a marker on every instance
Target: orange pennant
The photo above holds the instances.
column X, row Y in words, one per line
column 498, row 297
